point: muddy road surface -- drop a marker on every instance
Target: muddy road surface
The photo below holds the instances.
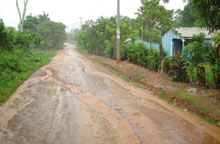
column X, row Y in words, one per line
column 73, row 101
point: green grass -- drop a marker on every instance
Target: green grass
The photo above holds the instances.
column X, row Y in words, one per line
column 209, row 120
column 187, row 97
column 161, row 94
column 100, row 59
column 205, row 109
column 121, row 75
column 17, row 66
column 138, row 77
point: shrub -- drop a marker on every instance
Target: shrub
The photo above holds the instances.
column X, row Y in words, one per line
column 139, row 54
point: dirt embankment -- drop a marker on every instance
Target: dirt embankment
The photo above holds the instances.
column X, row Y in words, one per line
column 204, row 102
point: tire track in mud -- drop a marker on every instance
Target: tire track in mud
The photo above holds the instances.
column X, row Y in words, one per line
column 123, row 128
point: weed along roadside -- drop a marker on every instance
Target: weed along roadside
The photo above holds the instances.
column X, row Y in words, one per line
column 24, row 51
column 15, row 75
column 188, row 97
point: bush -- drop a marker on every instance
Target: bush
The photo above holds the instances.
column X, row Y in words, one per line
column 16, row 66
column 139, row 54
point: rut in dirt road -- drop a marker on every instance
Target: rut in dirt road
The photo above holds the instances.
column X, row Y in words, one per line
column 72, row 101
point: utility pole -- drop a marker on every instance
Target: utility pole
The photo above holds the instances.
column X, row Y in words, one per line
column 118, row 33
column 81, row 22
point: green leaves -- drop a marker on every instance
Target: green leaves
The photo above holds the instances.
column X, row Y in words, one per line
column 152, row 14
column 53, row 34
column 99, row 36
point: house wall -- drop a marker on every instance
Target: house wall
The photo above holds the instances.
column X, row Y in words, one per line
column 148, row 44
column 167, row 42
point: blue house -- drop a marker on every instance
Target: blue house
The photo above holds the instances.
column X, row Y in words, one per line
column 179, row 38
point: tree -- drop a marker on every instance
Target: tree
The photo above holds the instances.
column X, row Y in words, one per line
column 7, row 37
column 156, row 35
column 214, row 59
column 186, row 17
column 197, row 55
column 3, row 35
column 22, row 17
column 165, row 1
column 154, row 15
column 53, row 34
column 31, row 22
column 208, row 11
column 28, row 39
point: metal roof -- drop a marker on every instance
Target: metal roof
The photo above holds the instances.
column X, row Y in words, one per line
column 188, row 32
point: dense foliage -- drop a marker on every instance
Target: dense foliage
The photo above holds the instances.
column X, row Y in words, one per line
column 208, row 12
column 187, row 17
column 17, row 65
column 198, row 63
column 53, row 33
column 154, row 15
column 20, row 56
column 138, row 53
column 98, row 37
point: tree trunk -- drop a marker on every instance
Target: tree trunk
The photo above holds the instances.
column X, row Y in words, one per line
column 21, row 18
column 97, row 51
column 201, row 75
column 142, row 32
column 151, row 37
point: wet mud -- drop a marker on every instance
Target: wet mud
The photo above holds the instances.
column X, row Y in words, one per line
column 72, row 101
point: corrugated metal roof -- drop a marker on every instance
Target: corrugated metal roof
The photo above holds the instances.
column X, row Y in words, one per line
column 188, row 32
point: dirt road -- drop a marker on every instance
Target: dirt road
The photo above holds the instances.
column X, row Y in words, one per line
column 72, row 101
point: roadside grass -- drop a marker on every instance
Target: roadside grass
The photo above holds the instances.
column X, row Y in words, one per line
column 120, row 75
column 137, row 76
column 17, row 66
column 205, row 109
column 185, row 96
column 209, row 120
column 161, row 94
column 100, row 59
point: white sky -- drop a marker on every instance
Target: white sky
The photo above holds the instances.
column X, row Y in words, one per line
column 69, row 11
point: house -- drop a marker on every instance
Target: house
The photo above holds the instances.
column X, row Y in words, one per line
column 147, row 44
column 172, row 40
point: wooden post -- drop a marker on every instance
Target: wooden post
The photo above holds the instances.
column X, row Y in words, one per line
column 118, row 33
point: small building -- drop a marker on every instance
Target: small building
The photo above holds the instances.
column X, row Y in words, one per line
column 180, row 38
column 147, row 44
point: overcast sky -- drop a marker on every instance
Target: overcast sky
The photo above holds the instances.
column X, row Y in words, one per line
column 69, row 11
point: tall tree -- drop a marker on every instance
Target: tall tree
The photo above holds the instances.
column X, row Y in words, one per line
column 154, row 15
column 186, row 17
column 209, row 13
column 53, row 34
column 22, row 16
